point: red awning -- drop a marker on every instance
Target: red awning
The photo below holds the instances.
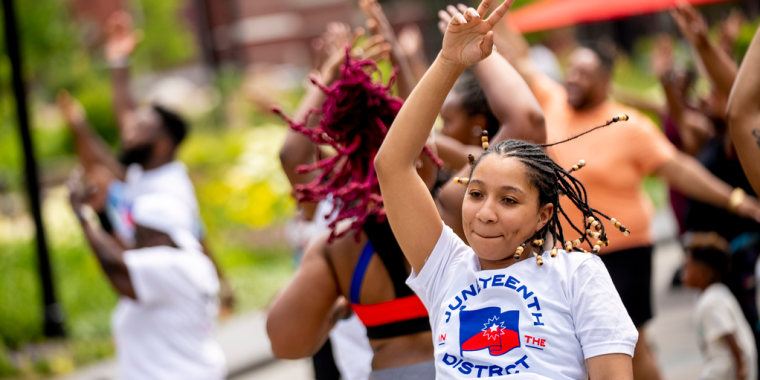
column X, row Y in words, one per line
column 551, row 14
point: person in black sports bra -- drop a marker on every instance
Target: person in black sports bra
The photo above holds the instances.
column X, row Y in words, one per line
column 357, row 263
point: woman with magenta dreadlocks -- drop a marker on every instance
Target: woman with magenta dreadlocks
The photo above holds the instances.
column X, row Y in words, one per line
column 357, row 265
column 525, row 299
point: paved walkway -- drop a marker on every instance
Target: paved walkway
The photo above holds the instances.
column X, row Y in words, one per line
column 244, row 341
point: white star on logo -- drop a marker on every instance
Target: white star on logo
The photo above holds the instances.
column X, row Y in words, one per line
column 493, row 329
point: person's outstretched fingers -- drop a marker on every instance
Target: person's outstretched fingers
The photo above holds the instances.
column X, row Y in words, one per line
column 445, row 19
column 458, row 19
column 452, row 10
column 484, row 6
column 498, row 13
column 470, row 14
column 444, row 16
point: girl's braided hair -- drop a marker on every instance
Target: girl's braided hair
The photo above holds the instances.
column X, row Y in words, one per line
column 356, row 115
column 551, row 181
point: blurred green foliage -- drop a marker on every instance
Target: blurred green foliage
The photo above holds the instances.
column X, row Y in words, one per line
column 167, row 41
column 746, row 33
column 56, row 56
column 6, row 368
column 238, row 181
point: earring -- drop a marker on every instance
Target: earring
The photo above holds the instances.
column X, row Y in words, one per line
column 518, row 251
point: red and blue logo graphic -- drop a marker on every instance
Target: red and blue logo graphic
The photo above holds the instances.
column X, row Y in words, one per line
column 489, row 328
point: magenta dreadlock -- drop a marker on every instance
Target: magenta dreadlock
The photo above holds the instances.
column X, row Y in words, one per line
column 355, row 118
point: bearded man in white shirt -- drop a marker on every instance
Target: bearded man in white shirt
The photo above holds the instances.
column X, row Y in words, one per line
column 169, row 289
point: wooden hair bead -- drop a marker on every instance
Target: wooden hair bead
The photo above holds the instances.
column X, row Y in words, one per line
column 578, row 166
column 626, row 233
column 471, row 159
column 462, row 180
column 590, row 219
column 518, row 252
column 576, row 243
column 538, row 242
column 596, row 248
column 539, row 260
column 554, row 252
column 621, row 117
column 568, row 246
column 484, row 140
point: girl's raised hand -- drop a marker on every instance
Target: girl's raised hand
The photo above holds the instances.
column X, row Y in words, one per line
column 468, row 38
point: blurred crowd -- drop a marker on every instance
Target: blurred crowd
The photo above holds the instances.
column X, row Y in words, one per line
column 352, row 305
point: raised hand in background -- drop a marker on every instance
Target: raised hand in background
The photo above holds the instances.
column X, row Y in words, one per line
column 378, row 25
column 121, row 38
column 720, row 67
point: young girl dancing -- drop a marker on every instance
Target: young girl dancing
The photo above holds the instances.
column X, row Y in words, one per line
column 493, row 309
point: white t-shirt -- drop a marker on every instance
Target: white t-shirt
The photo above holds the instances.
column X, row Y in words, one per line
column 171, row 179
column 167, row 332
column 717, row 314
column 526, row 321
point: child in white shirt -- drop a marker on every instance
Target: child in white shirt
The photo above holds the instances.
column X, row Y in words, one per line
column 725, row 338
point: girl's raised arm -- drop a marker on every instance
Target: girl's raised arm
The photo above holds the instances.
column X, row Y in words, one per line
column 411, row 210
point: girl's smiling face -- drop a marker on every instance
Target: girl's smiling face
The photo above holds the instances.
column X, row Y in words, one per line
column 500, row 210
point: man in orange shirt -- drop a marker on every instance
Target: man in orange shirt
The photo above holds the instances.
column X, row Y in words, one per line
column 618, row 159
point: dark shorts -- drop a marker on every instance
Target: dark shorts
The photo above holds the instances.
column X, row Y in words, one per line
column 631, row 272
